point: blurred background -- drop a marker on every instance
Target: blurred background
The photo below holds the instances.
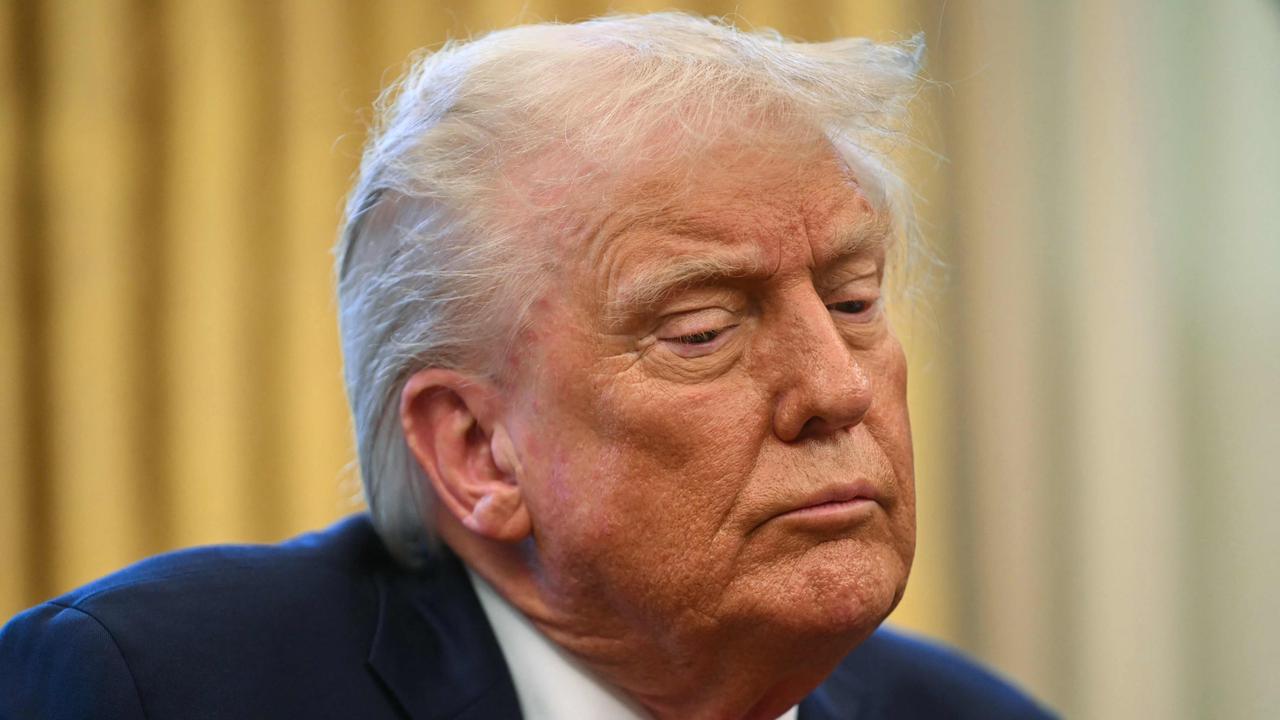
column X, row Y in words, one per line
column 1095, row 383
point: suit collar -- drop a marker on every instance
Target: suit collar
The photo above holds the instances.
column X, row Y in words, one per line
column 843, row 695
column 819, row 705
column 433, row 647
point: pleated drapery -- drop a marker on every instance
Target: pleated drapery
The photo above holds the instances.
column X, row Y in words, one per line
column 174, row 173
column 1093, row 389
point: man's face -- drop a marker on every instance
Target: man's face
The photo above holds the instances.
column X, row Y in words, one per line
column 710, row 410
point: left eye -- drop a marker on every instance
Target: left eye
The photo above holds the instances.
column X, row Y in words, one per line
column 850, row 307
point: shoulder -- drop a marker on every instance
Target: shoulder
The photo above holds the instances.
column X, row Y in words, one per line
column 157, row 632
column 241, row 586
column 897, row 675
column 43, row 647
column 344, row 547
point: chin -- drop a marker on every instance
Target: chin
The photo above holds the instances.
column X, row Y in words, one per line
column 842, row 589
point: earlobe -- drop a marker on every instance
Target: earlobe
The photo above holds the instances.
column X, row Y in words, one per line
column 468, row 459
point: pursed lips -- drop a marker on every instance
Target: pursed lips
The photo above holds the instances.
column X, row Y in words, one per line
column 835, row 499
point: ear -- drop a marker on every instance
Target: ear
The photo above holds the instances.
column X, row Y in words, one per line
column 468, row 458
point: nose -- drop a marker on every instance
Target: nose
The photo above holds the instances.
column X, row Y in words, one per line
column 823, row 387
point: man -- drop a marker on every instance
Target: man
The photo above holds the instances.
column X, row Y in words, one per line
column 631, row 418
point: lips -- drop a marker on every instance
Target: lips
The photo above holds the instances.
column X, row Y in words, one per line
column 838, row 503
column 844, row 492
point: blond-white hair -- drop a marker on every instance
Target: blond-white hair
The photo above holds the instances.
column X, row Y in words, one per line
column 435, row 263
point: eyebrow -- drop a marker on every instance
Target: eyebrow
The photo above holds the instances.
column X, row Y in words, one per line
column 651, row 284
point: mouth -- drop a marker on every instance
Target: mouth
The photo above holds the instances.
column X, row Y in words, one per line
column 834, row 507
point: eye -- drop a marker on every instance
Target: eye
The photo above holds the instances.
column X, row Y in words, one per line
column 697, row 344
column 856, row 310
column 851, row 307
column 698, row 338
column 698, row 333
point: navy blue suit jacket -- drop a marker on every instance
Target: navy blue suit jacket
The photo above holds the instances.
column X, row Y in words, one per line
column 329, row 626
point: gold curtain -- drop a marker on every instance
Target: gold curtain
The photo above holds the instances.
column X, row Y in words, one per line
column 1093, row 390
column 172, row 179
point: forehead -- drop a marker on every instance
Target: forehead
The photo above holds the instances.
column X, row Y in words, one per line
column 758, row 206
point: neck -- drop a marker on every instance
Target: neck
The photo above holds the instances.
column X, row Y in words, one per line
column 690, row 668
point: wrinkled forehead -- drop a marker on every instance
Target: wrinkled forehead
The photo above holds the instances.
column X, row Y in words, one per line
column 755, row 199
column 763, row 183
column 743, row 218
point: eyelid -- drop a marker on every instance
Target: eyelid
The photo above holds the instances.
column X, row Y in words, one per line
column 674, row 331
column 870, row 303
column 853, row 291
column 857, row 273
column 873, row 301
column 691, row 322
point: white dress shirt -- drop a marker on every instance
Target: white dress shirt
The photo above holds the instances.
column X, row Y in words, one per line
column 550, row 683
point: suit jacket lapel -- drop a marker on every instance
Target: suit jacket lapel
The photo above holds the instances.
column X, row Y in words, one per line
column 434, row 649
column 818, row 706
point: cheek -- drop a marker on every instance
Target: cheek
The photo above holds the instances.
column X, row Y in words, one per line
column 697, row 440
column 662, row 463
column 889, row 422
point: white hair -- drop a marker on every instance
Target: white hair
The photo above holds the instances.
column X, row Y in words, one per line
column 436, row 264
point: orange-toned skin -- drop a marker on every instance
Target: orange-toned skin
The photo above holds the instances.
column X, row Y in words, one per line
column 656, row 501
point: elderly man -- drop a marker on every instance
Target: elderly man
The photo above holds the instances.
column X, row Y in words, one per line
column 631, row 419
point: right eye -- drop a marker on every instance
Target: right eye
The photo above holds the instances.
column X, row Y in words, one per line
column 698, row 338
column 697, row 333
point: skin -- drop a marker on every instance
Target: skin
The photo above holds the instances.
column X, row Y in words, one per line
column 647, row 481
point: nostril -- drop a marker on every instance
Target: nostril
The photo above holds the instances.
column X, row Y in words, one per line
column 814, row 427
column 819, row 427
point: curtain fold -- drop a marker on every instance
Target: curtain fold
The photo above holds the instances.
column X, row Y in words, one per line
column 174, row 179
column 1092, row 388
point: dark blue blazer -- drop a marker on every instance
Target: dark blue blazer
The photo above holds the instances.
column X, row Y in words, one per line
column 329, row 626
